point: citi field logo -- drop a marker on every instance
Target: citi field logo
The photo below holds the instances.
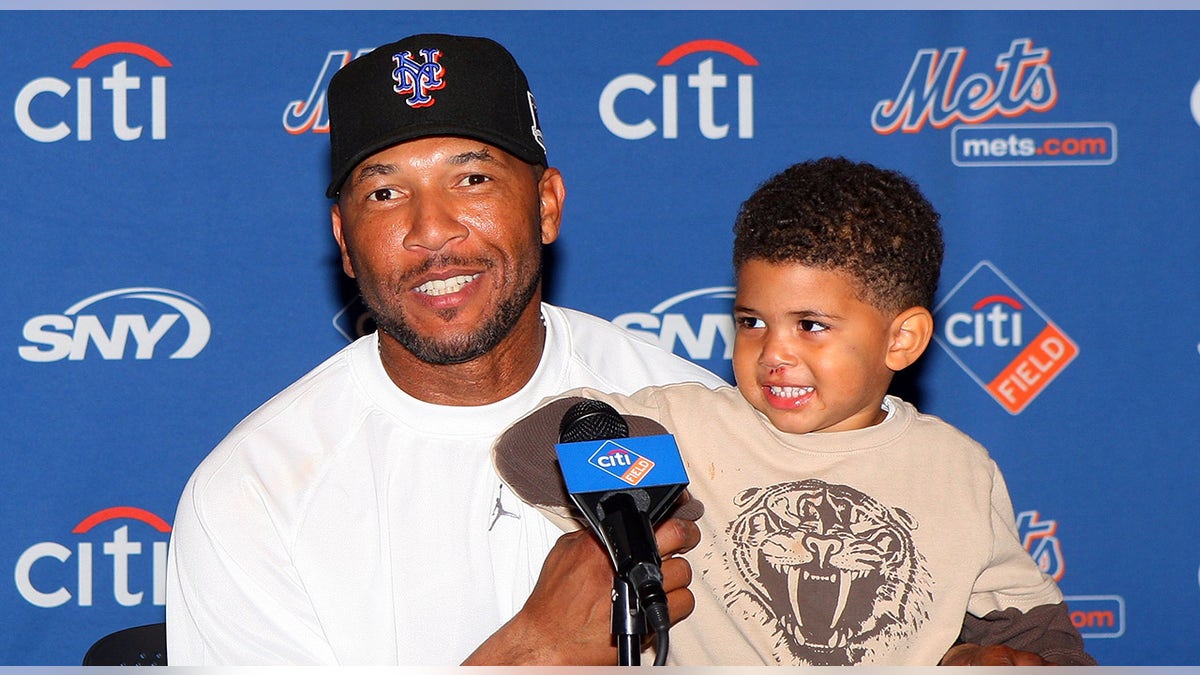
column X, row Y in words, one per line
column 123, row 548
column 47, row 106
column 634, row 106
column 309, row 114
column 108, row 324
column 1000, row 338
column 619, row 461
column 697, row 325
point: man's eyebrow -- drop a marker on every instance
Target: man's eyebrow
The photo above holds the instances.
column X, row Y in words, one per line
column 380, row 169
column 369, row 170
column 481, row 155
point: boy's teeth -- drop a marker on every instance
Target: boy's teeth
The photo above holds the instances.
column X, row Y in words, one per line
column 790, row 392
column 445, row 286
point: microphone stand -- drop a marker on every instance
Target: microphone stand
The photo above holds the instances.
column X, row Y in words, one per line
column 628, row 622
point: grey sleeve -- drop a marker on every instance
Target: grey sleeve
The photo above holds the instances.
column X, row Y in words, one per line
column 1045, row 630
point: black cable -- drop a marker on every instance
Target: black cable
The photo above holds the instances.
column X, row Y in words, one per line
column 662, row 646
column 659, row 620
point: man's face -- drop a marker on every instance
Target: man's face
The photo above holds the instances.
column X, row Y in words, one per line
column 808, row 353
column 444, row 236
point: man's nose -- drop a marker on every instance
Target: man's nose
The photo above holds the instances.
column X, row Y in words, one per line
column 433, row 225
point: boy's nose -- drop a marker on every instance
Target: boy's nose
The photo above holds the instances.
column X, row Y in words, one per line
column 775, row 354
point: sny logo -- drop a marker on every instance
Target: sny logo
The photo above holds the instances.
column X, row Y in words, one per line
column 55, row 337
column 676, row 331
column 617, row 460
column 120, row 82
column 707, row 83
column 986, row 324
column 418, row 79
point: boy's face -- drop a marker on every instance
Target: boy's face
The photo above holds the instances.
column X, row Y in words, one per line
column 808, row 353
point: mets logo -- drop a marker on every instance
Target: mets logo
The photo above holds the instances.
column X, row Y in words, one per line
column 933, row 94
column 618, row 460
column 418, row 79
column 1000, row 338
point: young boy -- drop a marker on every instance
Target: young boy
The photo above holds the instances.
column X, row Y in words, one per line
column 840, row 525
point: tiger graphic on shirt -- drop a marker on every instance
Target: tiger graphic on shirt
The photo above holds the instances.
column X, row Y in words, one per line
column 831, row 571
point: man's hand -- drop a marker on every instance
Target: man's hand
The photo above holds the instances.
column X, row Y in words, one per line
column 568, row 617
column 991, row 655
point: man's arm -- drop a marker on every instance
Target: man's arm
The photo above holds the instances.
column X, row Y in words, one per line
column 568, row 617
column 232, row 596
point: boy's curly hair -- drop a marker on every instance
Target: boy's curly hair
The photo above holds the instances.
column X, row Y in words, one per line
column 853, row 217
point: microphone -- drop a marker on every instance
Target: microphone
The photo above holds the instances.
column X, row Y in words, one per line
column 623, row 486
column 527, row 459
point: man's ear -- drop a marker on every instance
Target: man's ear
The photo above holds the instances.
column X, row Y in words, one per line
column 335, row 215
column 551, row 193
column 911, row 331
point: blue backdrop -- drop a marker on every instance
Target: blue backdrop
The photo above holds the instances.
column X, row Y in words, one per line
column 171, row 265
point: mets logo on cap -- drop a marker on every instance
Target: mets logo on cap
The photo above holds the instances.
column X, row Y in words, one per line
column 418, row 79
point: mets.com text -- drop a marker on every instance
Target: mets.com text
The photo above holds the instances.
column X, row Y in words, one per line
column 1031, row 144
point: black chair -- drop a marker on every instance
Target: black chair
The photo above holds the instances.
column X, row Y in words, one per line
column 137, row 646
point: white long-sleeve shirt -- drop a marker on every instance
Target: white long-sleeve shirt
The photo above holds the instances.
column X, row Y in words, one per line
column 345, row 522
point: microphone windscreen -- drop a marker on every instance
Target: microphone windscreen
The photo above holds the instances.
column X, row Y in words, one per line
column 525, row 459
column 591, row 420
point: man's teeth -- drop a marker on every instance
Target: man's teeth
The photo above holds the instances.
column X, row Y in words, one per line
column 790, row 392
column 445, row 286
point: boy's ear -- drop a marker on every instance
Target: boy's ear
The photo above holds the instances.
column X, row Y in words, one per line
column 911, row 331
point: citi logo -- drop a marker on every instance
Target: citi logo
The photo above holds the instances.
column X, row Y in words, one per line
column 994, row 320
column 309, row 115
column 697, row 324
column 52, row 574
column 617, row 460
column 82, row 327
column 46, row 120
column 1001, row 339
column 633, row 106
column 933, row 94
column 614, row 459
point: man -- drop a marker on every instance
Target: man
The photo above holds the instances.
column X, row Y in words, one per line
column 355, row 517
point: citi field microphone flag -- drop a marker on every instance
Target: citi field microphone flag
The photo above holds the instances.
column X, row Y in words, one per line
column 621, row 463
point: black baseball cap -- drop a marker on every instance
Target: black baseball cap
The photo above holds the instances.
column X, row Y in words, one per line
column 430, row 85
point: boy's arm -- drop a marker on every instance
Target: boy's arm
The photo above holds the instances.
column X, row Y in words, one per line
column 1016, row 615
column 1043, row 635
